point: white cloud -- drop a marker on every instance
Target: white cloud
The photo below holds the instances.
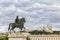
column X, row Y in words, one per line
column 36, row 12
column 3, row 29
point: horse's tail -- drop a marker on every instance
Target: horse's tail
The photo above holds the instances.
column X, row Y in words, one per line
column 9, row 26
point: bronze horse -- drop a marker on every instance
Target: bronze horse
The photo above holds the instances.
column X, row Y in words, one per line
column 19, row 25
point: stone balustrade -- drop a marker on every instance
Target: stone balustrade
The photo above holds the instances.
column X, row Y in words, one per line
column 45, row 37
column 23, row 36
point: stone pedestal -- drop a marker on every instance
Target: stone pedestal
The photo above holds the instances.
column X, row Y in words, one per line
column 17, row 36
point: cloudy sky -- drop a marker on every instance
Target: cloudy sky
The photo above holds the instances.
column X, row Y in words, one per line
column 36, row 12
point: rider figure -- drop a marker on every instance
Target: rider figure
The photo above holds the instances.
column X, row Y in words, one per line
column 17, row 20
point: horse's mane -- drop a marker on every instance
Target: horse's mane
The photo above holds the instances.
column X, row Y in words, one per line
column 20, row 20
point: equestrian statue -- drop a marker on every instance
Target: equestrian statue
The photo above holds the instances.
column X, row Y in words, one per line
column 19, row 23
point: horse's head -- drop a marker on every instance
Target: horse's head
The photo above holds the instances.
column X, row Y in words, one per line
column 22, row 20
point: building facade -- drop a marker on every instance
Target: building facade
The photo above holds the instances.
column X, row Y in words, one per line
column 45, row 37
